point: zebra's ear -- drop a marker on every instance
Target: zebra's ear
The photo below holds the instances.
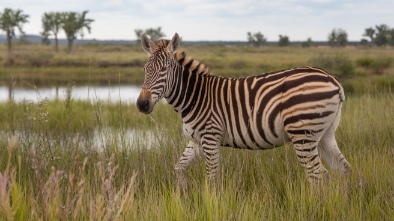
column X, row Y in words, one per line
column 148, row 45
column 173, row 46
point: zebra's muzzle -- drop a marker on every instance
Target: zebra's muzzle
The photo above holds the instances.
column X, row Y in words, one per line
column 144, row 102
column 143, row 106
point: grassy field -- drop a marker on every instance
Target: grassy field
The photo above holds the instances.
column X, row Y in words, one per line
column 84, row 160
column 361, row 69
column 91, row 160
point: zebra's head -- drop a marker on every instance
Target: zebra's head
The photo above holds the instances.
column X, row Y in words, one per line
column 162, row 56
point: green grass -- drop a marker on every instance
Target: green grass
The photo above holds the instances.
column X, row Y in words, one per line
column 77, row 161
column 103, row 64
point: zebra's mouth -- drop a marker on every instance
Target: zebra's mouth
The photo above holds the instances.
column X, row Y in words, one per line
column 144, row 101
column 144, row 106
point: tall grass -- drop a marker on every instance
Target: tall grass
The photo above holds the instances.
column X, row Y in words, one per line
column 69, row 160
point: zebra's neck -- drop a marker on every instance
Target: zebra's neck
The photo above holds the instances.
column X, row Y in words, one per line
column 188, row 80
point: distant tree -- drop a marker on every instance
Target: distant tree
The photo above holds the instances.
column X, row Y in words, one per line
column 342, row 38
column 154, row 34
column 391, row 34
column 74, row 23
column 332, row 38
column 382, row 37
column 257, row 39
column 283, row 41
column 337, row 37
column 9, row 20
column 307, row 43
column 364, row 42
column 138, row 33
column 370, row 33
column 51, row 25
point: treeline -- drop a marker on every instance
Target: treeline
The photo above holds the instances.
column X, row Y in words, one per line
column 72, row 23
column 380, row 35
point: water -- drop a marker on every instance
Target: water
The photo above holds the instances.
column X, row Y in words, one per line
column 124, row 93
column 105, row 137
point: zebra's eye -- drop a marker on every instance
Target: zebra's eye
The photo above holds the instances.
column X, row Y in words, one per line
column 163, row 69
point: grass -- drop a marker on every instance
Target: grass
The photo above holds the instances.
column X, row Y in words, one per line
column 76, row 160
column 100, row 64
column 84, row 160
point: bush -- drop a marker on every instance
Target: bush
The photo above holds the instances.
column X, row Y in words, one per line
column 375, row 65
column 338, row 65
column 33, row 59
column 239, row 64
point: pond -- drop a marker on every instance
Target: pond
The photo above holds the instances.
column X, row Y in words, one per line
column 124, row 93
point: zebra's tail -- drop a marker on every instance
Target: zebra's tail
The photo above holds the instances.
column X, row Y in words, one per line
column 341, row 94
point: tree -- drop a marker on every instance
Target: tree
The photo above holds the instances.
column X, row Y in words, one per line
column 257, row 39
column 74, row 23
column 9, row 20
column 382, row 37
column 283, row 40
column 138, row 33
column 342, row 38
column 307, row 43
column 370, row 33
column 154, row 34
column 51, row 25
column 337, row 37
column 391, row 35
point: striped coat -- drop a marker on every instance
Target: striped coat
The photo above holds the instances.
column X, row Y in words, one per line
column 300, row 105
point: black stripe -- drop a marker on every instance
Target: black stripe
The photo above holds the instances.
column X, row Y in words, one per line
column 303, row 141
column 309, row 116
column 298, row 99
column 307, row 149
column 194, row 71
column 190, row 91
column 306, row 132
column 176, row 83
column 238, row 116
column 227, row 115
column 188, row 64
column 199, row 104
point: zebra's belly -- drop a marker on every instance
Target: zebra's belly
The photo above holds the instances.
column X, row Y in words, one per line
column 254, row 141
column 244, row 139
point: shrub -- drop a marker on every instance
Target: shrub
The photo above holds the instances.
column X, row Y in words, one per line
column 238, row 64
column 33, row 59
column 338, row 65
column 375, row 65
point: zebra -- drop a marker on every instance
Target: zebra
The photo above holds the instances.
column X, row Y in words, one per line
column 300, row 105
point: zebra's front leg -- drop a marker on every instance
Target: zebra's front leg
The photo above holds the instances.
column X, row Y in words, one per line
column 211, row 150
column 189, row 154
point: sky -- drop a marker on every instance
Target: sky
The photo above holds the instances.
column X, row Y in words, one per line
column 212, row 20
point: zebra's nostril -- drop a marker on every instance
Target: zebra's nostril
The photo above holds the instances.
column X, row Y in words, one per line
column 143, row 105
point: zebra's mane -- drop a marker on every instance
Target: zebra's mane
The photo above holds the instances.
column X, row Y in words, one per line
column 190, row 64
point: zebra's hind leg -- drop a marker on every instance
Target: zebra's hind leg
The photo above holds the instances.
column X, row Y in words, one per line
column 189, row 154
column 330, row 153
column 307, row 153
